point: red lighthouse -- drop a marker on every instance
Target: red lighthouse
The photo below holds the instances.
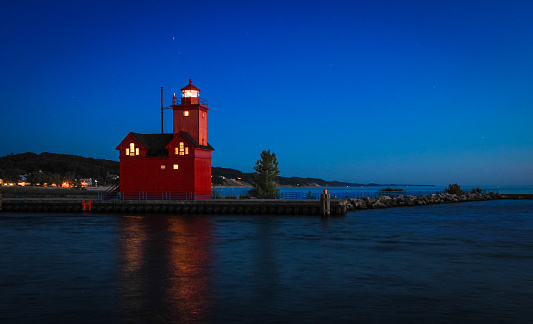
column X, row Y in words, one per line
column 170, row 166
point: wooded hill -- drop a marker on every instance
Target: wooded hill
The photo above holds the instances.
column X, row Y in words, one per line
column 54, row 168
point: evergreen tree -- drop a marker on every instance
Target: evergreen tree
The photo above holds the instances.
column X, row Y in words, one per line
column 266, row 172
column 454, row 189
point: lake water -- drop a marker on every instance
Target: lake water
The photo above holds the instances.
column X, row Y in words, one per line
column 454, row 263
column 232, row 191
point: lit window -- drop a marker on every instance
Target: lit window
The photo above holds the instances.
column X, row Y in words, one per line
column 132, row 150
column 162, row 167
column 176, row 150
column 185, row 113
column 203, row 114
column 190, row 94
column 186, row 150
column 175, row 166
column 182, row 148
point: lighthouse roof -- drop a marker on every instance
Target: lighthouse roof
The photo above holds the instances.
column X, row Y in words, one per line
column 190, row 86
column 156, row 144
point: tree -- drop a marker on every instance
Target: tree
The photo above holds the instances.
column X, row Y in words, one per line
column 266, row 171
column 12, row 175
column 55, row 178
column 454, row 189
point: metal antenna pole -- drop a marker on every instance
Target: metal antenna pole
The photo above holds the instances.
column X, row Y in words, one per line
column 161, row 110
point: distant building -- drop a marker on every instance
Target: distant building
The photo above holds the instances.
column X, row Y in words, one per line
column 172, row 166
column 23, row 180
column 86, row 182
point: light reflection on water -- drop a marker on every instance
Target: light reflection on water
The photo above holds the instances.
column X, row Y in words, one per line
column 443, row 263
column 164, row 268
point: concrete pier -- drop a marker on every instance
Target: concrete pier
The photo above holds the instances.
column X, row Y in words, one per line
column 215, row 206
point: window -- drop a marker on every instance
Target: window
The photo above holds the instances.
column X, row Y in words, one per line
column 181, row 149
column 190, row 94
column 132, row 150
column 185, row 113
column 163, row 167
column 203, row 114
column 175, row 166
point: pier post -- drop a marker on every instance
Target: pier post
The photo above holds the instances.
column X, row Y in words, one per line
column 325, row 204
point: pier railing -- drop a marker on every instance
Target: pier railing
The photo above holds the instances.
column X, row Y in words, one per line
column 159, row 195
column 297, row 195
column 359, row 194
column 196, row 195
column 353, row 194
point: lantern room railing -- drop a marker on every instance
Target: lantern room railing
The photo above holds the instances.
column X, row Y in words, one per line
column 178, row 101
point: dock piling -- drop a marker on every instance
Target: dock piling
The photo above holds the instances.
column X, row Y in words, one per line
column 325, row 204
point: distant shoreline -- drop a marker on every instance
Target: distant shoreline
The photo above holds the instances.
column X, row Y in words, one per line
column 352, row 186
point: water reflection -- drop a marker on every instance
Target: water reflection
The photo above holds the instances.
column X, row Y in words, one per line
column 164, row 268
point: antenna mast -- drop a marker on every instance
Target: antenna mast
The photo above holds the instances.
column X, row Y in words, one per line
column 161, row 110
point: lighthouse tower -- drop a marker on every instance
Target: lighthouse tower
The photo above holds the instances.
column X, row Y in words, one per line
column 190, row 114
column 171, row 166
column 190, row 136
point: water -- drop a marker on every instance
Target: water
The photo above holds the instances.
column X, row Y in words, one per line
column 233, row 191
column 443, row 263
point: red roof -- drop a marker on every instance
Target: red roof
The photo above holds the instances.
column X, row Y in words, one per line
column 190, row 86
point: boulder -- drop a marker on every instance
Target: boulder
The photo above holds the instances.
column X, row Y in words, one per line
column 358, row 203
column 379, row 204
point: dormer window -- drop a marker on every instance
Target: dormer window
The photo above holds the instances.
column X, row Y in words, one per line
column 132, row 150
column 181, row 149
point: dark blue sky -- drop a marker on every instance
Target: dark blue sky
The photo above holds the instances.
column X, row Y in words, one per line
column 427, row 92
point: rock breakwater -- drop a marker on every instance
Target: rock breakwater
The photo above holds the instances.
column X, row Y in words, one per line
column 407, row 200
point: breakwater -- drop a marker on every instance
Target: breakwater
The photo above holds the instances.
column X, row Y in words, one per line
column 215, row 206
column 362, row 203
column 239, row 206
